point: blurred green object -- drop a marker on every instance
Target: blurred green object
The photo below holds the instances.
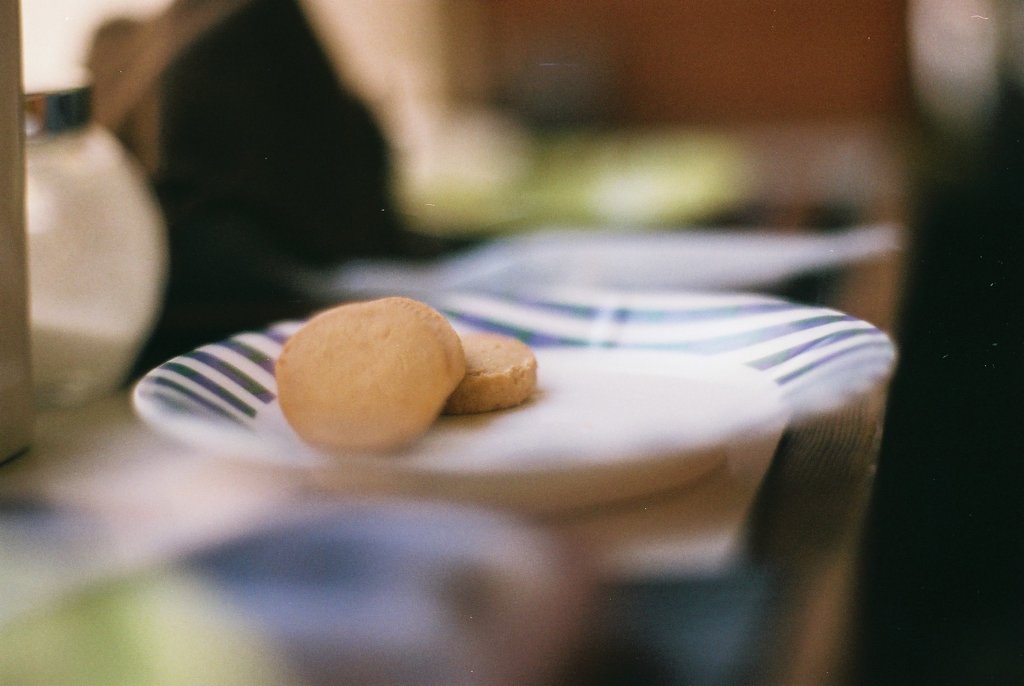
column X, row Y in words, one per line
column 635, row 179
column 153, row 630
column 641, row 179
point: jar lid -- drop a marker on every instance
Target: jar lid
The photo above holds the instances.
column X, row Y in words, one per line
column 53, row 112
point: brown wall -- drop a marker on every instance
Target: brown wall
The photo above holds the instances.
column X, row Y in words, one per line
column 701, row 61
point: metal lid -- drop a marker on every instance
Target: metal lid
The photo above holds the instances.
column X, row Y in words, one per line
column 53, row 112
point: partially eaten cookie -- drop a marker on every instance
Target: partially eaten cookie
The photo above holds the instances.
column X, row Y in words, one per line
column 501, row 372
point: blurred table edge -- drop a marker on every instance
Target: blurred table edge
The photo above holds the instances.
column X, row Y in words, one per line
column 808, row 543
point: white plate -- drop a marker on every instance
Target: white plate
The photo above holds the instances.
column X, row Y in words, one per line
column 636, row 393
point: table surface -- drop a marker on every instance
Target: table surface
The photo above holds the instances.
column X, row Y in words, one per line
column 776, row 557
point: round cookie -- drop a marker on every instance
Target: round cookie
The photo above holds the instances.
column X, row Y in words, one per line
column 501, row 372
column 368, row 376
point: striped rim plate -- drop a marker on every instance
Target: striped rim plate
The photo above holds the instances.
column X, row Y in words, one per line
column 818, row 358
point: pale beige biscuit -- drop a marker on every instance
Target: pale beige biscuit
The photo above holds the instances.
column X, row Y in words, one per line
column 368, row 376
column 501, row 372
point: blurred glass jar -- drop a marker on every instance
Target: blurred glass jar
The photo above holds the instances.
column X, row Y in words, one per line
column 97, row 251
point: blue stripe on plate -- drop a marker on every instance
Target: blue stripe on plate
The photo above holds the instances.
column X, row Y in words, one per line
column 251, row 386
column 716, row 344
column 194, row 397
column 255, row 356
column 171, row 401
column 777, row 358
column 529, row 336
column 210, row 385
column 743, row 339
column 658, row 315
column 276, row 334
column 829, row 359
